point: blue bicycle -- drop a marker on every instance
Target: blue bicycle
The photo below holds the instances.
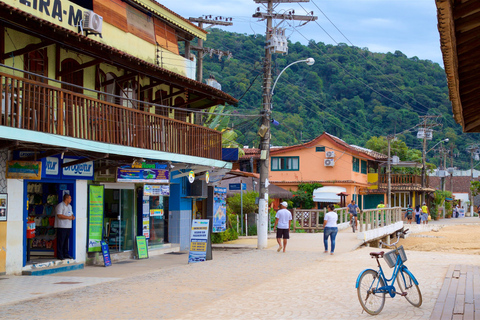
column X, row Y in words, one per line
column 372, row 285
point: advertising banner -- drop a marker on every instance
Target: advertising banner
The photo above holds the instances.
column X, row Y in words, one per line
column 84, row 171
column 95, row 217
column 198, row 241
column 24, row 170
column 219, row 209
column 3, row 207
column 142, row 175
column 142, row 250
column 156, row 190
column 107, row 261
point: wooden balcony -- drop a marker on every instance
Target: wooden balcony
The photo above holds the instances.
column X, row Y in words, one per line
column 32, row 105
column 407, row 182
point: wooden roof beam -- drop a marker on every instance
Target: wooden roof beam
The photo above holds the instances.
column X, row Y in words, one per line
column 80, row 161
column 189, row 102
column 80, row 67
column 123, row 78
column 38, row 156
column 26, row 49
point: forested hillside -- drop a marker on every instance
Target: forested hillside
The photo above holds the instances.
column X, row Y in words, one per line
column 349, row 92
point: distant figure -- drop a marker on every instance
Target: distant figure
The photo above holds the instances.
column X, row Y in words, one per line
column 418, row 212
column 283, row 220
column 425, row 211
column 456, row 211
column 330, row 228
column 409, row 214
column 381, row 205
column 353, row 209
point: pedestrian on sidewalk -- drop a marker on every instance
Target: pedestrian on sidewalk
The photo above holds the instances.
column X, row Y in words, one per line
column 418, row 212
column 409, row 214
column 425, row 212
column 283, row 219
column 330, row 228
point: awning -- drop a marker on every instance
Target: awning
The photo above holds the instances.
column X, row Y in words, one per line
column 328, row 194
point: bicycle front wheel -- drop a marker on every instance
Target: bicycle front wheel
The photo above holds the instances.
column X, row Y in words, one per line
column 406, row 284
column 372, row 302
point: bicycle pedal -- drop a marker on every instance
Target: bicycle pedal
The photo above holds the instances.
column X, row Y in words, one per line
column 403, row 294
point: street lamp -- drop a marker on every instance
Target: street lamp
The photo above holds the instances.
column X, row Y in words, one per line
column 444, row 140
column 262, row 226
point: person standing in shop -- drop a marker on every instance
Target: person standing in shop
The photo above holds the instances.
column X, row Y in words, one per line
column 63, row 222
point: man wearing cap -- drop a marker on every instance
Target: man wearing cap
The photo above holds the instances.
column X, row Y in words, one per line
column 425, row 212
column 283, row 220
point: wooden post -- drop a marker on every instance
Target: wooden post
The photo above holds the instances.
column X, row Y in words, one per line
column 294, row 218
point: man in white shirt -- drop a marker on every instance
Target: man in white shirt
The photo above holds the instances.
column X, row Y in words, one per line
column 63, row 222
column 283, row 220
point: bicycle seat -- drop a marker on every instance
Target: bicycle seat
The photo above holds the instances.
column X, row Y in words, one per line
column 377, row 254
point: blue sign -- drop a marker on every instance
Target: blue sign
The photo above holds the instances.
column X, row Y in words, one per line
column 106, row 254
column 236, row 186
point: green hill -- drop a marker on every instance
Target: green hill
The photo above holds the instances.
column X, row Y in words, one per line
column 349, row 92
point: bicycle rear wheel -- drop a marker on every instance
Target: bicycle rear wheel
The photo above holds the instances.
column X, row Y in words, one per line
column 352, row 222
column 406, row 284
column 372, row 302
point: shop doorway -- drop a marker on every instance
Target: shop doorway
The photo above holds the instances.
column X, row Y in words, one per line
column 119, row 219
column 41, row 200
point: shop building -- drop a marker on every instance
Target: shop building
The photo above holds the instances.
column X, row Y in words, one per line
column 98, row 84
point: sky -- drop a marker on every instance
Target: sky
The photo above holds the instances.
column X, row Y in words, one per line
column 409, row 26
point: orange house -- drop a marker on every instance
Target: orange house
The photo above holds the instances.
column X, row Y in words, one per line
column 327, row 160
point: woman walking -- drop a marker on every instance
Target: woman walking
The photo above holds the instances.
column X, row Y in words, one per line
column 330, row 228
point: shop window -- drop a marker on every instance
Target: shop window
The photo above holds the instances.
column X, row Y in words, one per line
column 285, row 164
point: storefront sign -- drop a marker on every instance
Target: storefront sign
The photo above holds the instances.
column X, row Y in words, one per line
column 156, row 212
column 95, row 217
column 51, row 166
column 219, row 209
column 142, row 175
column 78, row 171
column 24, row 170
column 106, row 254
column 156, row 190
column 146, row 217
column 3, row 207
column 198, row 241
column 142, row 250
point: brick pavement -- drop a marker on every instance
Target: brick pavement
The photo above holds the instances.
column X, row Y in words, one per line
column 303, row 283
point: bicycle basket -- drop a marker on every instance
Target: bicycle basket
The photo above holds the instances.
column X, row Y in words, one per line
column 391, row 256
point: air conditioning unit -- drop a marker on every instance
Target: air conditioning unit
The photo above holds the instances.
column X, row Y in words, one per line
column 92, row 22
column 328, row 162
column 330, row 154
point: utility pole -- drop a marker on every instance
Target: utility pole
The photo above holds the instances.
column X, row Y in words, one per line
column 473, row 149
column 219, row 21
column 389, row 175
column 451, row 166
column 443, row 151
column 428, row 123
column 264, row 131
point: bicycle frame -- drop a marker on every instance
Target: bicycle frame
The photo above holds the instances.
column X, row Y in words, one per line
column 389, row 287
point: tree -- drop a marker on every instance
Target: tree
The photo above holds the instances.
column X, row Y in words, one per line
column 303, row 197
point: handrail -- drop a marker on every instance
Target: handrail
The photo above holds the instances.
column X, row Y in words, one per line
column 309, row 219
column 32, row 105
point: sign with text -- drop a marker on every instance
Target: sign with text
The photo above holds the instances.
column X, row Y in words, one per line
column 3, row 207
column 142, row 250
column 142, row 175
column 198, row 241
column 219, row 210
column 237, row 186
column 95, row 217
column 106, row 254
column 156, row 190
column 78, row 171
column 24, row 170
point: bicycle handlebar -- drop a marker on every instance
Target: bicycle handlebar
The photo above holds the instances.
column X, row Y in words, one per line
column 380, row 243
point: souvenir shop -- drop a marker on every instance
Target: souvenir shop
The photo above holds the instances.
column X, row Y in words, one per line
column 42, row 194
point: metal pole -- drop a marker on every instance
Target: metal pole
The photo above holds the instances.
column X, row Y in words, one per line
column 389, row 182
column 241, row 202
column 424, row 160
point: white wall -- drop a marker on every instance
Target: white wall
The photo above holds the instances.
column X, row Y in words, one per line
column 81, row 220
column 15, row 227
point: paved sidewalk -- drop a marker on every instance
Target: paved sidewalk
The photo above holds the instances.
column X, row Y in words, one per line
column 302, row 283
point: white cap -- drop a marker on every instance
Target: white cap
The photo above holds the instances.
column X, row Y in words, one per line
column 284, row 203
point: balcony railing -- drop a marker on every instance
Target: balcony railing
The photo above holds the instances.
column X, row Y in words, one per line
column 401, row 180
column 32, row 105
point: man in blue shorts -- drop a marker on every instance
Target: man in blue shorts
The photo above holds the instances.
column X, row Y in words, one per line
column 283, row 220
